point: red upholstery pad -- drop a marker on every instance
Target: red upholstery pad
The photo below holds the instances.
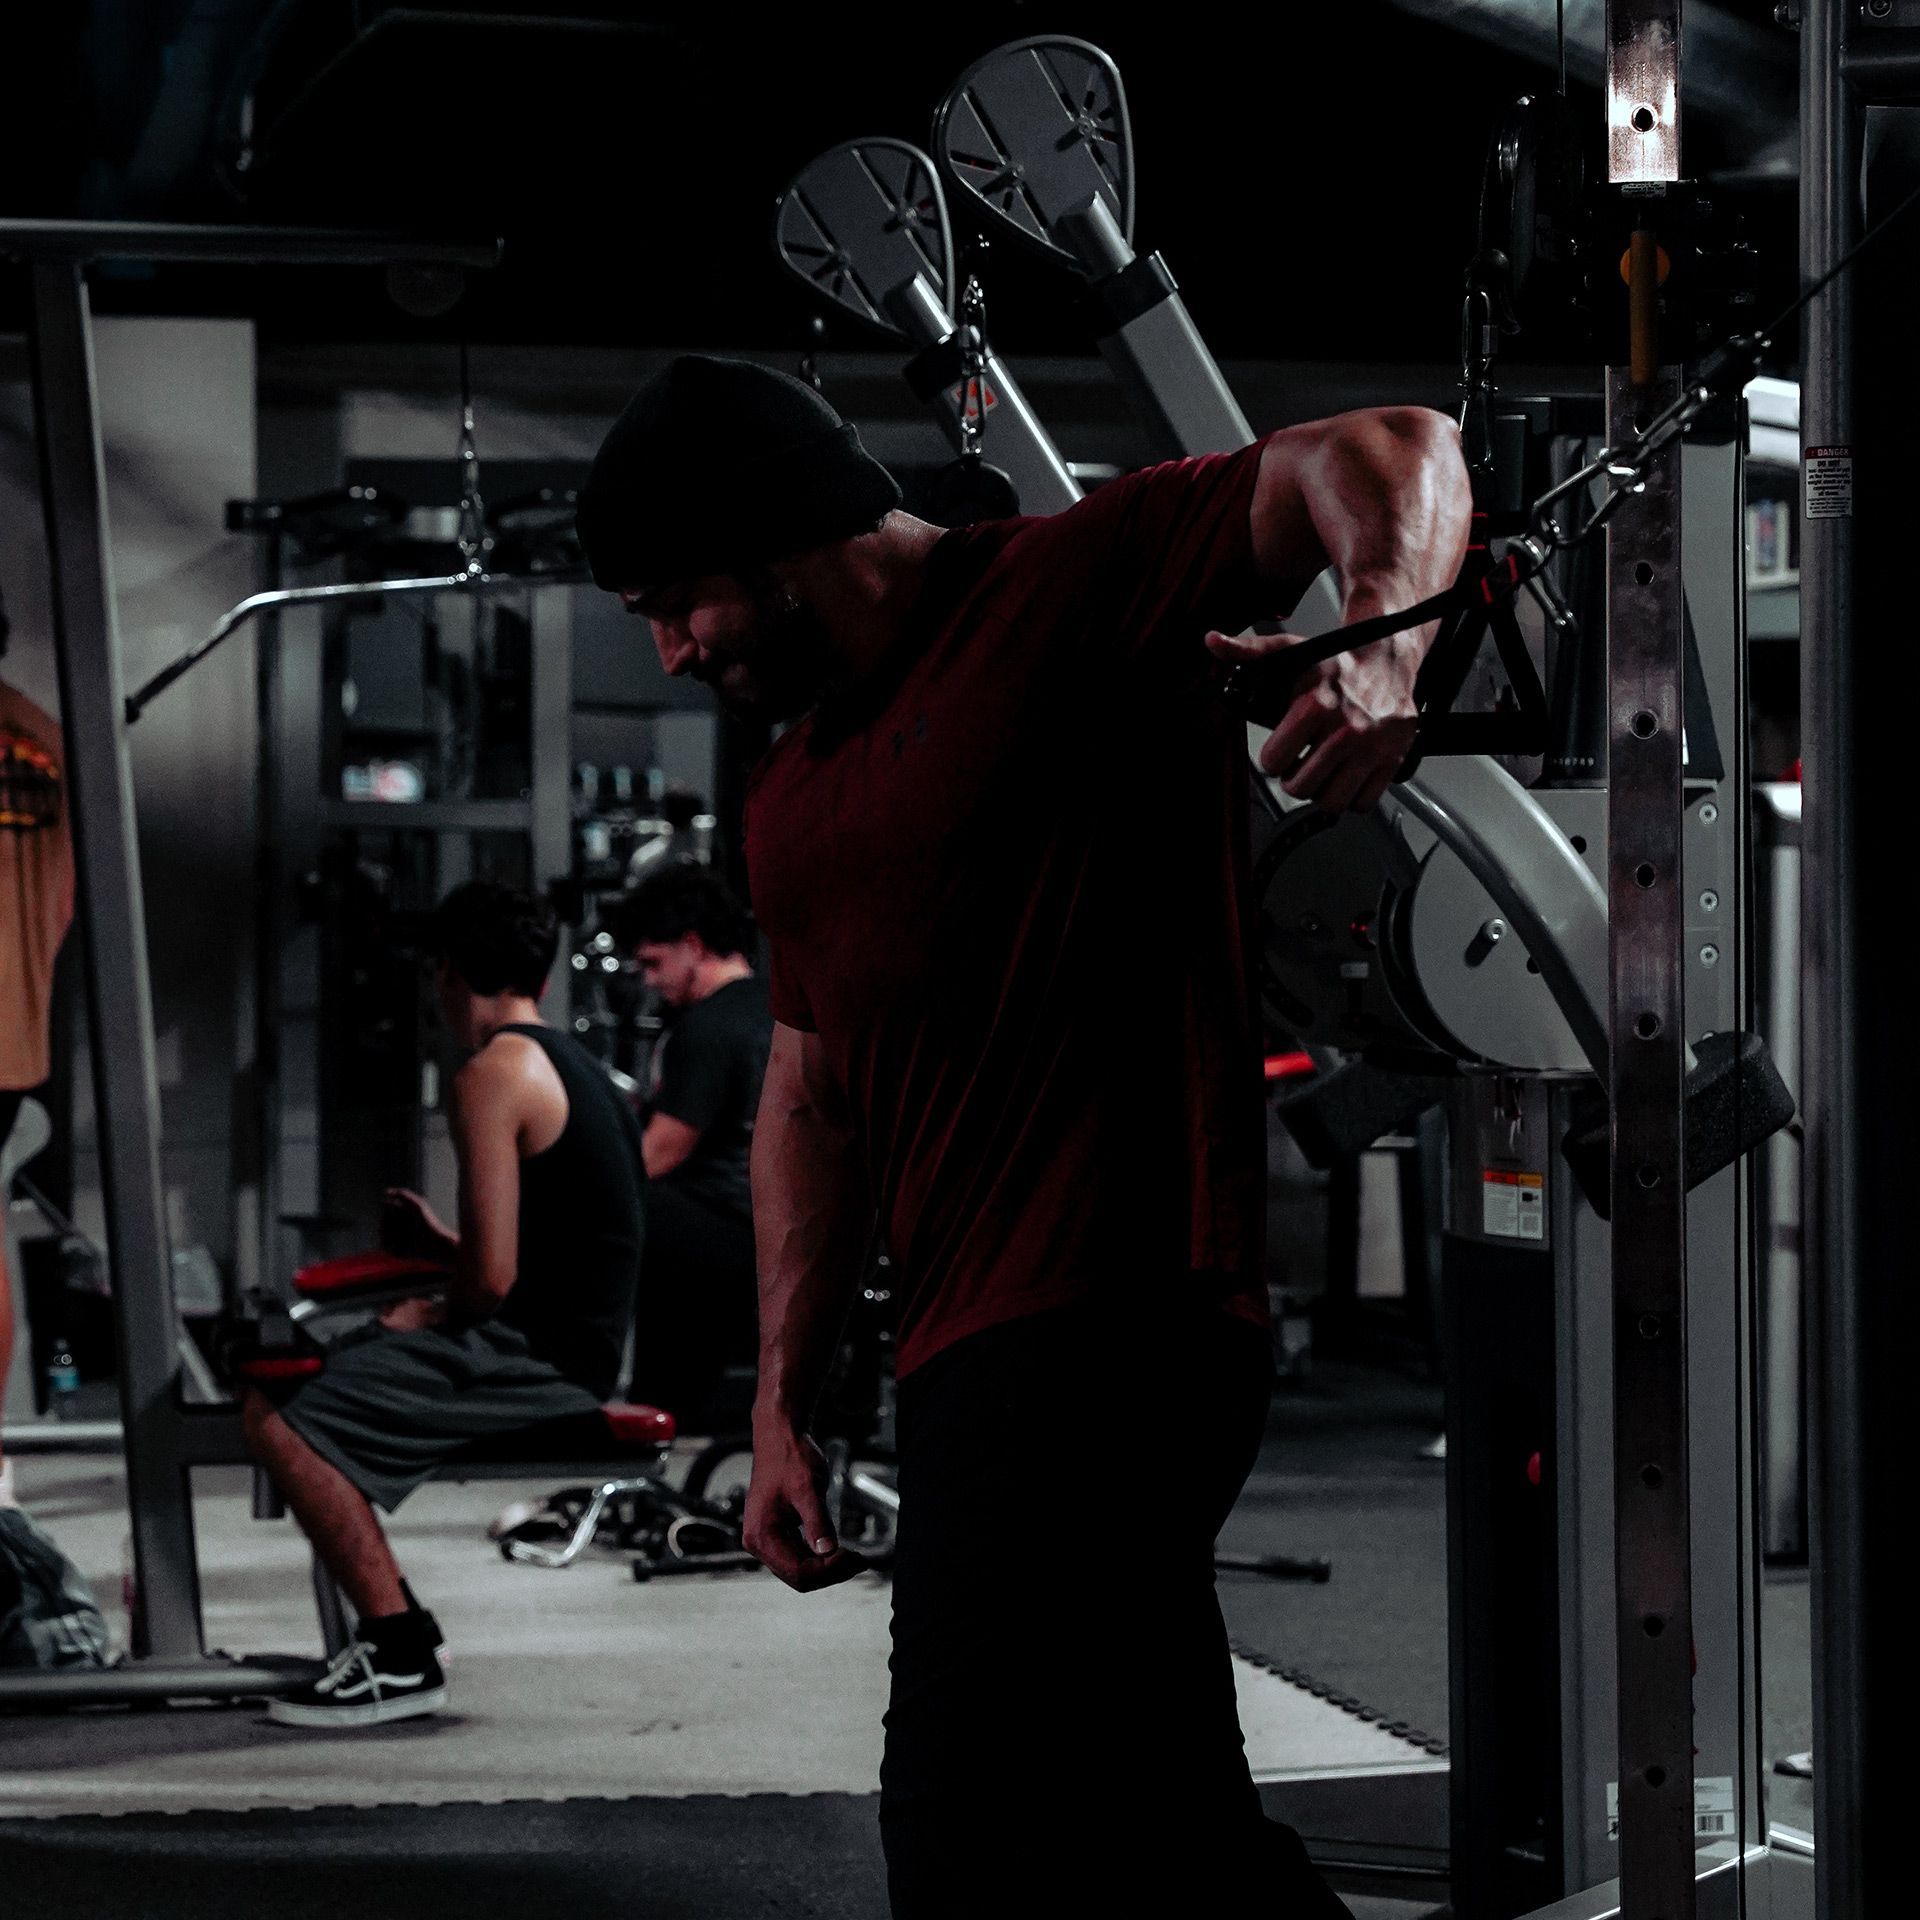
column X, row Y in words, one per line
column 638, row 1426
column 384, row 1271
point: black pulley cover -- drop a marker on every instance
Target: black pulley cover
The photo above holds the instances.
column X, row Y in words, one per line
column 1735, row 1099
column 1534, row 211
column 971, row 489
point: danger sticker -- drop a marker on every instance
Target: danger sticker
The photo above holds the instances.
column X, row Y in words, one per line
column 1513, row 1206
column 1712, row 1808
column 984, row 400
column 1829, row 476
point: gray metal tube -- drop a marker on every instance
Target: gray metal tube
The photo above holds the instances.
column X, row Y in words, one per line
column 80, row 240
column 1829, row 1068
column 151, row 1682
column 119, row 996
column 1158, row 356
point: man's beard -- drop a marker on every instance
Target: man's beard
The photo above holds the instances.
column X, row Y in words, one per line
column 788, row 661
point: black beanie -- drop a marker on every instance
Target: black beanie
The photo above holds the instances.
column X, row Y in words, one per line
column 718, row 465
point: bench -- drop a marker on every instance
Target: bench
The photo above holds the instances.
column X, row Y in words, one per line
column 615, row 1451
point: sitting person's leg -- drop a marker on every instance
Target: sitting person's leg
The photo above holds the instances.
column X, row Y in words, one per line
column 387, row 1412
column 695, row 1314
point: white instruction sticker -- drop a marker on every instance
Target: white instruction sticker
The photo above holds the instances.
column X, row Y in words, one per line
column 1513, row 1206
column 1829, row 472
column 1712, row 1808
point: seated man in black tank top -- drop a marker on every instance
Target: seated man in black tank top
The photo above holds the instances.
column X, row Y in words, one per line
column 697, row 1310
column 532, row 1326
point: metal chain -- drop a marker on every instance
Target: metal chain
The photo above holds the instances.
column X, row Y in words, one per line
column 474, row 541
column 973, row 367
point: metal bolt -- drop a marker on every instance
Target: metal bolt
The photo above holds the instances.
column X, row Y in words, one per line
column 1709, row 901
column 1709, row 813
column 1879, row 9
column 1494, row 930
column 1709, row 956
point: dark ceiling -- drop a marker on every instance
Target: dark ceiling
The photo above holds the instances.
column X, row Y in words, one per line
column 1309, row 172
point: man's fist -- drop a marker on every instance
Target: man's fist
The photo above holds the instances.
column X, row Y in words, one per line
column 786, row 1527
column 1350, row 726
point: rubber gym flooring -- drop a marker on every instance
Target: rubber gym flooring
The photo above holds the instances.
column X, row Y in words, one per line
column 1340, row 1475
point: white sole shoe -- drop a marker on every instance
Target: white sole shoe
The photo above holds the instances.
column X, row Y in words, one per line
column 370, row 1713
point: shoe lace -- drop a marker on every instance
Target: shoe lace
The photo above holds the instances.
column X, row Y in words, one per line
column 354, row 1658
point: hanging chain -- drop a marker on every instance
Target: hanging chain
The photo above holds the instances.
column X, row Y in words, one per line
column 973, row 367
column 475, row 542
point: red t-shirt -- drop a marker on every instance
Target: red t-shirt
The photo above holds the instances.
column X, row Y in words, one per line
column 1004, row 880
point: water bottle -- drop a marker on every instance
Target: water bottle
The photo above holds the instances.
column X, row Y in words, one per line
column 63, row 1380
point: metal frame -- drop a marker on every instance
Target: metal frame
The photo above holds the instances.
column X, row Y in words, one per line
column 163, row 1437
column 1652, row 1493
column 1843, row 1217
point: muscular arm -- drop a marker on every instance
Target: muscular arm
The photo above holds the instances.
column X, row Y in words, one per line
column 810, row 1219
column 487, row 1118
column 810, row 1224
column 1382, row 497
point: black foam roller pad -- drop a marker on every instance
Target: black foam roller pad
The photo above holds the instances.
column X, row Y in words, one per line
column 1735, row 1100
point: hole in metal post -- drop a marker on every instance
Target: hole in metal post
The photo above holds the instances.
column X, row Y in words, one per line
column 1647, row 1025
column 1649, row 1326
column 1645, row 119
column 1578, row 843
column 1643, row 572
column 1648, row 1177
column 1652, row 1478
column 1653, row 1626
column 1656, row 1776
column 1645, row 724
column 1646, row 873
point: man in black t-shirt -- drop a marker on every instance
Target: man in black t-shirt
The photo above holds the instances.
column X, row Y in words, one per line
column 691, row 937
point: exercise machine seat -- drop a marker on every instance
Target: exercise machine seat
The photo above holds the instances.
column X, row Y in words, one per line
column 635, row 1425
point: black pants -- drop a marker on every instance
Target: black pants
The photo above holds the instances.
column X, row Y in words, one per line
column 1063, row 1736
column 695, row 1311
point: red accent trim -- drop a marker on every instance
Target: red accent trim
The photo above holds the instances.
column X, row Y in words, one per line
column 292, row 1366
column 371, row 1269
column 1289, row 1066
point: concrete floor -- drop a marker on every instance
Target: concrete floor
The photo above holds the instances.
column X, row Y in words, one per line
column 621, row 1714
column 566, row 1684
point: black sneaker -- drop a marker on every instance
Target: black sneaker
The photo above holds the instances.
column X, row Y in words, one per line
column 367, row 1686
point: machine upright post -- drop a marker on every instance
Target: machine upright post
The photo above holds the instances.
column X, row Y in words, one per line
column 1835, row 1226
column 1645, row 733
column 126, row 1082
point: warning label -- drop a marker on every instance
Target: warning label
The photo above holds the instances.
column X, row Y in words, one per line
column 1513, row 1206
column 1712, row 1808
column 982, row 400
column 1829, row 472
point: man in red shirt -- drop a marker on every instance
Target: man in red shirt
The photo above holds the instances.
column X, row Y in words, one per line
column 1000, row 860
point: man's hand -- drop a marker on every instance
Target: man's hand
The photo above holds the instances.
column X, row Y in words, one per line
column 415, row 1315
column 786, row 1527
column 1351, row 724
column 411, row 1228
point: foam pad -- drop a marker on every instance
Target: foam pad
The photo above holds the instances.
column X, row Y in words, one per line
column 1735, row 1099
column 373, row 1271
column 1339, row 1114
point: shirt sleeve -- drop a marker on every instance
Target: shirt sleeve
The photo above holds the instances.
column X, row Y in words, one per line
column 695, row 1076
column 1154, row 561
column 785, row 996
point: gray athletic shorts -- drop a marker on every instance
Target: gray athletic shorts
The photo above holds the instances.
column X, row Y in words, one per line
column 392, row 1407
